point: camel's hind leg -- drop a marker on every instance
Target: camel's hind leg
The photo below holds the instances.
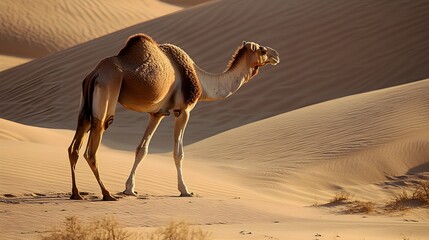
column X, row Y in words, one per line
column 105, row 97
column 83, row 126
column 95, row 136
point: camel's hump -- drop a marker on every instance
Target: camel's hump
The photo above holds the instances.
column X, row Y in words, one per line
column 134, row 40
column 139, row 37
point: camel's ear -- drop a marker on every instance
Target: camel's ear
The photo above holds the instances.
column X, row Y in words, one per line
column 253, row 46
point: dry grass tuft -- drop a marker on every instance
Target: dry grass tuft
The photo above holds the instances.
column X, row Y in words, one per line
column 399, row 202
column 341, row 197
column 101, row 229
column 179, row 231
column 108, row 229
column 357, row 207
column 405, row 200
column 350, row 206
column 417, row 197
column 422, row 193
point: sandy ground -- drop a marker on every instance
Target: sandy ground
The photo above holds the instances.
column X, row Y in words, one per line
column 346, row 110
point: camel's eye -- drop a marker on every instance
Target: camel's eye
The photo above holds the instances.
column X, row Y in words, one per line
column 263, row 50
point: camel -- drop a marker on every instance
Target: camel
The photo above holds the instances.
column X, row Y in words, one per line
column 157, row 79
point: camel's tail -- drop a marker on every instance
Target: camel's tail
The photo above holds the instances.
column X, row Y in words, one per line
column 87, row 93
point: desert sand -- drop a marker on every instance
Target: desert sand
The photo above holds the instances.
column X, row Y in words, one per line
column 33, row 29
column 345, row 111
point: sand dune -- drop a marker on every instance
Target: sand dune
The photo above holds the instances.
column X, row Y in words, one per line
column 27, row 35
column 351, row 141
column 345, row 110
column 322, row 58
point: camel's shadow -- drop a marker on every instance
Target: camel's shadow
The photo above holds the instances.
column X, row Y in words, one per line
column 62, row 197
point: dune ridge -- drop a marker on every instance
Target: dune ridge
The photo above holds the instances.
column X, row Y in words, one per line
column 75, row 22
column 26, row 35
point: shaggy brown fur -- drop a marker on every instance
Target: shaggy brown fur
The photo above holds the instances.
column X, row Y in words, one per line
column 191, row 87
column 132, row 41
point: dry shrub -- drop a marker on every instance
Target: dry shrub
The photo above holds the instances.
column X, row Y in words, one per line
column 404, row 200
column 102, row 229
column 421, row 193
column 351, row 206
column 108, row 229
column 341, row 197
column 417, row 197
column 399, row 202
column 179, row 231
column 357, row 207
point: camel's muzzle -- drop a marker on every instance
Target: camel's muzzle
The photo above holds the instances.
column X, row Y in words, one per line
column 273, row 58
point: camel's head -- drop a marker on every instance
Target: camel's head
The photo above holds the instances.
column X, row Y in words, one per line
column 260, row 55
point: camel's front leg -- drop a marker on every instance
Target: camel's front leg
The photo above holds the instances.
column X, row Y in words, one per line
column 179, row 130
column 142, row 151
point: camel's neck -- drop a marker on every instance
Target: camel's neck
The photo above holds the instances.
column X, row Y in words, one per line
column 223, row 85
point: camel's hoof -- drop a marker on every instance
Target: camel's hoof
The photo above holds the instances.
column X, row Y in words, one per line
column 109, row 198
column 187, row 194
column 130, row 193
column 76, row 197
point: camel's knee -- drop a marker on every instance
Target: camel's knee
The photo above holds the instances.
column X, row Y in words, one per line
column 74, row 147
column 178, row 157
column 89, row 155
column 73, row 154
column 93, row 141
column 179, row 154
column 90, row 158
column 141, row 152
